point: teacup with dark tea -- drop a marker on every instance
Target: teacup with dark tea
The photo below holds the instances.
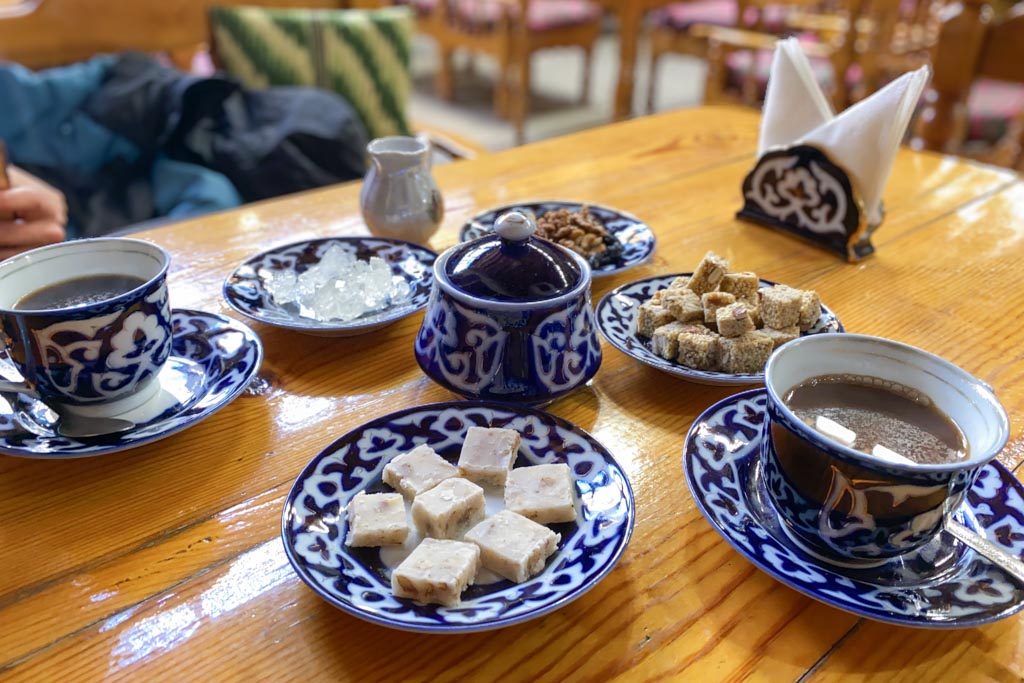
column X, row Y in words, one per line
column 869, row 444
column 87, row 323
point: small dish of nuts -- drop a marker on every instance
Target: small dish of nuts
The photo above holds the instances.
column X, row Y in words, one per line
column 610, row 240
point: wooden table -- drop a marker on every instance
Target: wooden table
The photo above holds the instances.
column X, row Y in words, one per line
column 165, row 562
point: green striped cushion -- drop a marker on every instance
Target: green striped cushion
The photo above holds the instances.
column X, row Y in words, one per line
column 363, row 55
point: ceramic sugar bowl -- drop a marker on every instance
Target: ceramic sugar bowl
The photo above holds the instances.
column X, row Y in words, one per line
column 509, row 318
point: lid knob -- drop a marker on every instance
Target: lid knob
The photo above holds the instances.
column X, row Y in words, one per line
column 515, row 226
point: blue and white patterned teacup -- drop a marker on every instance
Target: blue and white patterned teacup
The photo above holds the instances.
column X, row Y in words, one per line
column 850, row 507
column 97, row 358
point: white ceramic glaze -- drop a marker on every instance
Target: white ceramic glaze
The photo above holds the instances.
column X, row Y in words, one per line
column 399, row 198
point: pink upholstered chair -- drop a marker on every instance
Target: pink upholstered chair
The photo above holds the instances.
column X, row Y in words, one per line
column 510, row 32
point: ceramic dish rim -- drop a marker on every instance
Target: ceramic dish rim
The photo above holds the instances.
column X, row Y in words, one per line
column 818, row 564
column 680, row 371
column 596, row 273
column 228, row 399
column 301, row 324
column 563, row 600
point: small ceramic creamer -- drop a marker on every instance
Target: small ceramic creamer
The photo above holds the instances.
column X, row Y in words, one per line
column 400, row 199
column 509, row 318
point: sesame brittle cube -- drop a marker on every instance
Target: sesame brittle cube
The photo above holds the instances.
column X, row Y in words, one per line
column 449, row 509
column 436, row 572
column 656, row 297
column 488, row 454
column 543, row 493
column 376, row 519
column 512, row 545
column 780, row 337
column 712, row 301
column 810, row 309
column 740, row 285
column 651, row 316
column 665, row 341
column 744, row 354
column 680, row 282
column 780, row 306
column 419, row 470
column 734, row 320
column 684, row 305
column 709, row 273
column 698, row 351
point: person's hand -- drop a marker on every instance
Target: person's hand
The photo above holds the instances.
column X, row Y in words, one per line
column 40, row 214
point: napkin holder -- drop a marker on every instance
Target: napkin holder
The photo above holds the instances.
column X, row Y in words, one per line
column 800, row 190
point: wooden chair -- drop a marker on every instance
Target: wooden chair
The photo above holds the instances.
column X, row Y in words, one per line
column 893, row 37
column 680, row 28
column 739, row 59
column 978, row 44
column 510, row 32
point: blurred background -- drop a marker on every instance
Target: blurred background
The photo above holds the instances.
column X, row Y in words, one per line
column 139, row 110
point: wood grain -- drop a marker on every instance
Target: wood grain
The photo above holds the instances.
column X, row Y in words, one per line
column 165, row 562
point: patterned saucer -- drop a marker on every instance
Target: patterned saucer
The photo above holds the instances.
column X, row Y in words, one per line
column 245, row 289
column 944, row 584
column 212, row 360
column 357, row 580
column 636, row 237
column 616, row 318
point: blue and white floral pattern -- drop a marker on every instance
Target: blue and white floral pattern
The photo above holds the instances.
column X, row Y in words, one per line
column 637, row 239
column 531, row 355
column 212, row 360
column 98, row 353
column 616, row 319
column 943, row 584
column 246, row 289
column 357, row 581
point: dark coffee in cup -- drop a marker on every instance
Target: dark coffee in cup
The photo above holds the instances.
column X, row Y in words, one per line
column 79, row 291
column 879, row 414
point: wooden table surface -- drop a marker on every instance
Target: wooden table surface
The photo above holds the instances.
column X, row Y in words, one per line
column 165, row 562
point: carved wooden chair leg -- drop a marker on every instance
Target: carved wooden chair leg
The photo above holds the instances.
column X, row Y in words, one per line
column 588, row 70
column 445, row 74
column 652, row 76
column 502, row 85
column 521, row 99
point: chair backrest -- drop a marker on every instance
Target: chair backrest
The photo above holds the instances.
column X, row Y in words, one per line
column 974, row 42
column 41, row 33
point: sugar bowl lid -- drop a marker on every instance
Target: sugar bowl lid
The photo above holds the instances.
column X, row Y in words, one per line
column 513, row 265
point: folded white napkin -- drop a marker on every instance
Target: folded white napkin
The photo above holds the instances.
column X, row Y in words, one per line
column 863, row 139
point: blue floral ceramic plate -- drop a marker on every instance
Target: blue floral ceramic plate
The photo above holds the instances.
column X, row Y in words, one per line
column 246, row 289
column 616, row 318
column 358, row 579
column 635, row 236
column 212, row 360
column 944, row 584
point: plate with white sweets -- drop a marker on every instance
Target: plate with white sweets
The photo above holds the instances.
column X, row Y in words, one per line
column 457, row 517
column 335, row 286
column 710, row 326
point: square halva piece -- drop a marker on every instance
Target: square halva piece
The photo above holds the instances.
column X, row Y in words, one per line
column 419, row 470
column 512, row 545
column 436, row 572
column 449, row 509
column 376, row 519
column 488, row 454
column 542, row 493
